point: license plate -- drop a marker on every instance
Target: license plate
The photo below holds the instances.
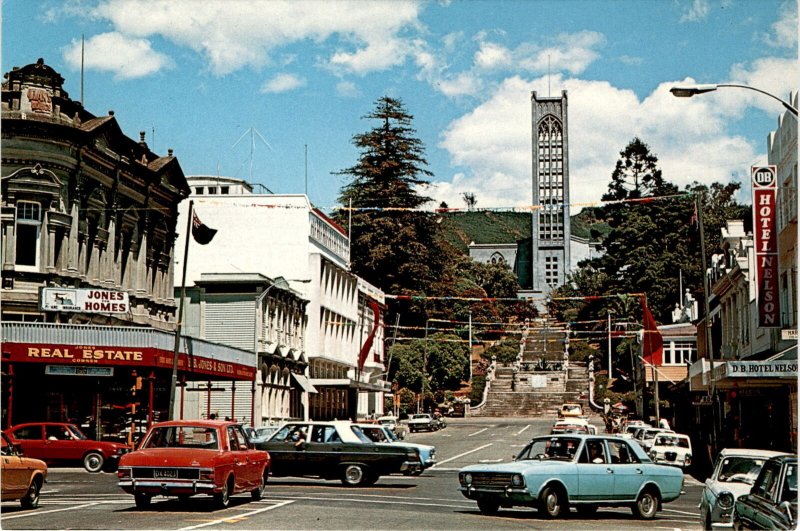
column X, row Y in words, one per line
column 173, row 474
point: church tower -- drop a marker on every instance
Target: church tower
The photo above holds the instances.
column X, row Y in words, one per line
column 550, row 259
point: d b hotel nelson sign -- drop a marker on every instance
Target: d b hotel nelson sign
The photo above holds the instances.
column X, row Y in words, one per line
column 765, row 188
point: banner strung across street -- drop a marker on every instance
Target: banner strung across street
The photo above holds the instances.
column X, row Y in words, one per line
column 765, row 185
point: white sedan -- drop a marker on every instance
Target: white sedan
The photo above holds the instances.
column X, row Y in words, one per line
column 672, row 449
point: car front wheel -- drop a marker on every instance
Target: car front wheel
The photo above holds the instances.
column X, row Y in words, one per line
column 354, row 475
column 31, row 498
column 646, row 506
column 93, row 462
column 552, row 503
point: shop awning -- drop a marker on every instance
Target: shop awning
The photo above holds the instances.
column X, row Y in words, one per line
column 303, row 382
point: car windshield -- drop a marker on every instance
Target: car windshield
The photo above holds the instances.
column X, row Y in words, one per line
column 671, row 440
column 571, row 409
column 558, row 448
column 76, row 433
column 424, row 416
column 201, row 437
column 740, row 468
column 360, row 434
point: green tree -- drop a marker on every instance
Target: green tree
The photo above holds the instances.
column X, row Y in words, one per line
column 636, row 173
column 392, row 245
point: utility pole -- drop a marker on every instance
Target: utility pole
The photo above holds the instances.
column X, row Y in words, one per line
column 609, row 346
column 469, row 357
column 712, row 388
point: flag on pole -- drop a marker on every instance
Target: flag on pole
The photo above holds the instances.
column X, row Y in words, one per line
column 202, row 233
column 695, row 219
column 652, row 342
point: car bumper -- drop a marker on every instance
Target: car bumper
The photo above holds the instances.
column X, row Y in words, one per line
column 411, row 466
column 502, row 494
column 175, row 488
column 677, row 462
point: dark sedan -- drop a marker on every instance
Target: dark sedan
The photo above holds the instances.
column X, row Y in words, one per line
column 336, row 449
column 772, row 502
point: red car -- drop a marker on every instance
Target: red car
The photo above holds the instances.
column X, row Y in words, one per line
column 61, row 443
column 187, row 457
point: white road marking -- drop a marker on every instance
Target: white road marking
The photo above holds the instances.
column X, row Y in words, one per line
column 523, row 429
column 680, row 512
column 277, row 505
column 467, row 503
column 461, row 455
column 490, row 460
column 40, row 512
column 477, row 432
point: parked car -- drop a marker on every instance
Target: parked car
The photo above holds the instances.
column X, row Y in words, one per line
column 735, row 471
column 336, row 449
column 63, row 443
column 570, row 409
column 555, row 472
column 672, row 449
column 630, row 429
column 772, row 502
column 187, row 457
column 391, row 422
column 380, row 433
column 22, row 477
column 647, row 437
column 572, row 425
column 422, row 421
column 261, row 434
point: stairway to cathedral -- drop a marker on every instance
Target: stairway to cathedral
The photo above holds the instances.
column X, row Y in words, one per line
column 539, row 382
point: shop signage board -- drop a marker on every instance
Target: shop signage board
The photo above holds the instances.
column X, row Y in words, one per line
column 761, row 369
column 78, row 370
column 84, row 300
column 789, row 334
column 141, row 357
column 765, row 187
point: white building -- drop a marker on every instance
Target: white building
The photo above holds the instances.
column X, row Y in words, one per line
column 285, row 237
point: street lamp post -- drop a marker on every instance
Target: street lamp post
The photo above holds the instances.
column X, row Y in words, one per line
column 687, row 91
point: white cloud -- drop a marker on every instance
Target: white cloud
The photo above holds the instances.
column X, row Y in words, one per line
column 784, row 31
column 347, row 89
column 697, row 12
column 491, row 144
column 283, row 83
column 243, row 33
column 490, row 56
column 125, row 57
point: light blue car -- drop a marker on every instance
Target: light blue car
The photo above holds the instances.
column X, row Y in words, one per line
column 380, row 433
column 555, row 472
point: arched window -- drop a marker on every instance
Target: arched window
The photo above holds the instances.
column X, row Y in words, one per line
column 497, row 258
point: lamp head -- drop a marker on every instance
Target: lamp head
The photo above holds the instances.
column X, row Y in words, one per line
column 687, row 91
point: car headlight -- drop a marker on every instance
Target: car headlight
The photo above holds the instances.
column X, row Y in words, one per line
column 725, row 500
column 517, row 480
column 466, row 479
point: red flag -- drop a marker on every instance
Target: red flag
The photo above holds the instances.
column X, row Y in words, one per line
column 652, row 342
column 202, row 233
column 376, row 315
column 695, row 218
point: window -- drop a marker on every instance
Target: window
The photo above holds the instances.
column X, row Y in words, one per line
column 212, row 190
column 28, row 229
column 223, row 189
column 679, row 353
column 199, row 190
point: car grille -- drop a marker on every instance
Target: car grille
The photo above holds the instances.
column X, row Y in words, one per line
column 670, row 456
column 165, row 473
column 484, row 479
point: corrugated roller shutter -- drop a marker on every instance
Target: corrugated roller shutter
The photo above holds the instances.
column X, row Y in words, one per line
column 221, row 401
column 230, row 320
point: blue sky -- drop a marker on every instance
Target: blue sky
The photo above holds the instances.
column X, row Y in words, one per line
column 197, row 75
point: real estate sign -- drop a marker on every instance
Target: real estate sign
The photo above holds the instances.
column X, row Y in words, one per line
column 765, row 187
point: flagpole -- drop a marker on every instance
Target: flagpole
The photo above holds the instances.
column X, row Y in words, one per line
column 174, row 382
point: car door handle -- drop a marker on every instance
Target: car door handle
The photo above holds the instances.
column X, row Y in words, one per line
column 610, row 470
column 639, row 471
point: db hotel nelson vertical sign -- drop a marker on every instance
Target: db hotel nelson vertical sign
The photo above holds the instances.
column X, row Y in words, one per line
column 765, row 189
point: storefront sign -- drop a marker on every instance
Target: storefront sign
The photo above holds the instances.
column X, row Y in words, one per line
column 78, row 370
column 85, row 355
column 760, row 369
column 765, row 186
column 789, row 334
column 84, row 300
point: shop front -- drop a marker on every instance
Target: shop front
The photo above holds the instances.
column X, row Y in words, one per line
column 111, row 381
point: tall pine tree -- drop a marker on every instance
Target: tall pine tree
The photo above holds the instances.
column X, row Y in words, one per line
column 393, row 246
